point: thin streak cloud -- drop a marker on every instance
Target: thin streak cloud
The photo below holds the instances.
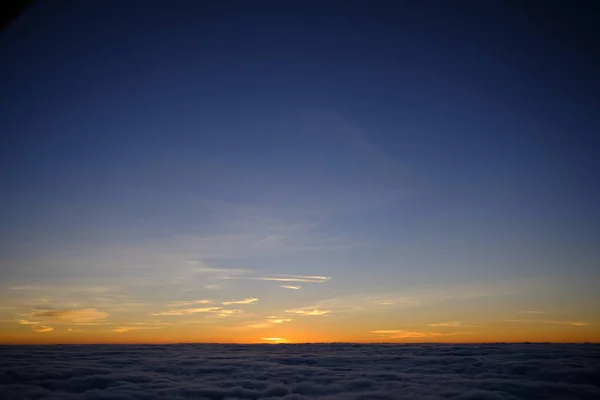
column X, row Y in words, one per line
column 305, row 312
column 187, row 311
column 544, row 321
column 285, row 278
column 126, row 329
column 85, row 316
column 26, row 322
column 531, row 312
column 42, row 328
column 188, row 303
column 245, row 301
column 444, row 324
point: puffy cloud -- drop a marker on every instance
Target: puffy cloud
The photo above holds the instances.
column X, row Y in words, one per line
column 301, row 372
column 245, row 301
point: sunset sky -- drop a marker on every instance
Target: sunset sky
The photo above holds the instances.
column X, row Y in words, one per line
column 308, row 172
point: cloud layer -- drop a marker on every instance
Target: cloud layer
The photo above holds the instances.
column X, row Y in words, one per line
column 298, row 372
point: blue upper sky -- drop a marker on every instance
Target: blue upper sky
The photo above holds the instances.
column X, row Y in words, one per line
column 380, row 144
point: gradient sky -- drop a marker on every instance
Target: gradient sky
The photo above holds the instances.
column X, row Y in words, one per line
column 311, row 171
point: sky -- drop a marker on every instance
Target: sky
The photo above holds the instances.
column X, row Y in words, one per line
column 299, row 172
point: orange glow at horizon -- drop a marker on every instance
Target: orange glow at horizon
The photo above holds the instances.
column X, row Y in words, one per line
column 298, row 334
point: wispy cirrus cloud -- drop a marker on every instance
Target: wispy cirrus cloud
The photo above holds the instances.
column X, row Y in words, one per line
column 245, row 301
column 86, row 316
column 446, row 324
column 26, row 322
column 229, row 313
column 545, row 321
column 187, row 311
column 42, row 328
column 269, row 323
column 291, row 287
column 125, row 329
column 403, row 334
column 414, row 296
column 285, row 278
column 308, row 312
column 531, row 312
column 189, row 303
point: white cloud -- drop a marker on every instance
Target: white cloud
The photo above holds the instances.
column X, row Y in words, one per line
column 291, row 287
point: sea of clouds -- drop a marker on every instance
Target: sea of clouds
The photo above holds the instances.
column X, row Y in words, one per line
column 296, row 372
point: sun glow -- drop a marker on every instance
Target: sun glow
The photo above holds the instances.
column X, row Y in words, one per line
column 274, row 340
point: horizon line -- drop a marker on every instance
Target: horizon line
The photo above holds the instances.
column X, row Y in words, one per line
column 292, row 344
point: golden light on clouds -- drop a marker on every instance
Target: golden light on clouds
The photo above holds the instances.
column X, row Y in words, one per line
column 42, row 328
column 229, row 313
column 405, row 316
column 314, row 312
column 404, row 334
column 125, row 329
column 25, row 322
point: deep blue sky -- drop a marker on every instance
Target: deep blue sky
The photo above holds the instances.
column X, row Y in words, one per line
column 381, row 144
